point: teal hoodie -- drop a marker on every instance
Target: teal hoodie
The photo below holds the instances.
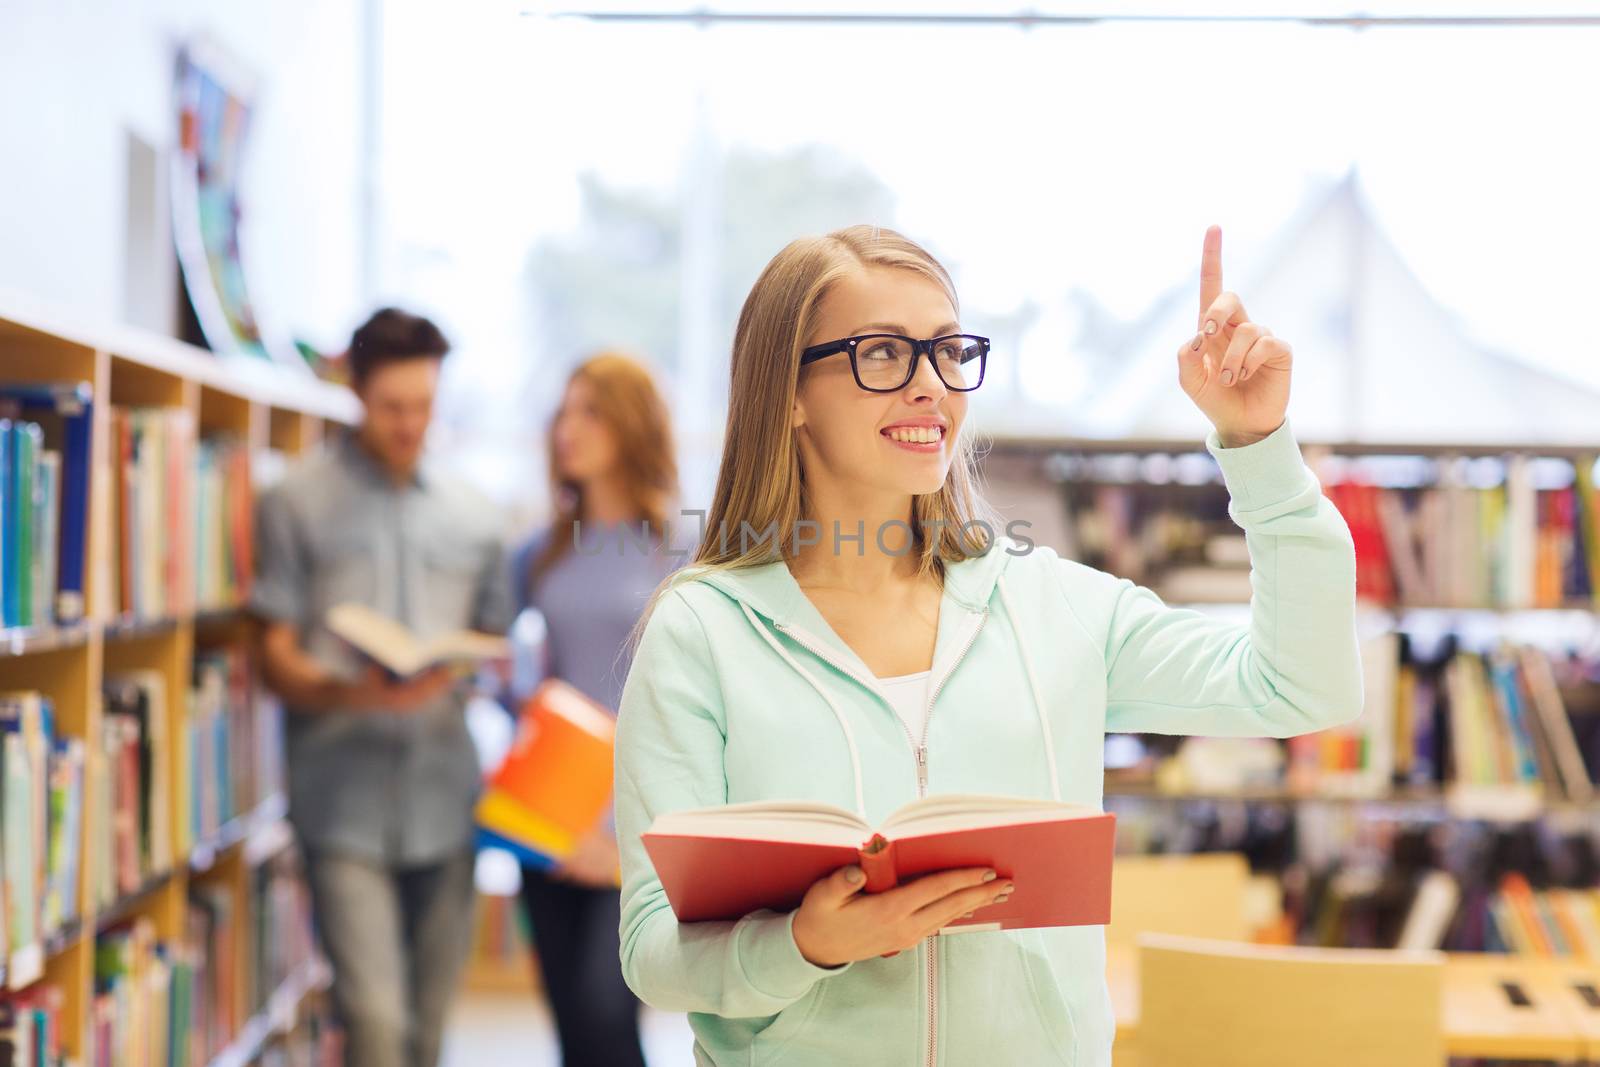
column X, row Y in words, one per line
column 740, row 691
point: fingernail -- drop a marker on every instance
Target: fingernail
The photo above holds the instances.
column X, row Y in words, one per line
column 968, row 915
column 1005, row 890
column 1244, row 374
column 854, row 876
column 1227, row 377
column 1199, row 339
column 1211, row 327
column 1002, row 898
column 989, row 876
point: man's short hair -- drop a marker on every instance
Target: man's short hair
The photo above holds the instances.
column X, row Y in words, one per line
column 393, row 336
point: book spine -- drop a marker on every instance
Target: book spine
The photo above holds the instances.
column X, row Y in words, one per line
column 8, row 513
column 126, row 518
column 75, row 456
column 1519, row 897
column 24, row 455
column 877, row 863
column 47, row 538
column 1586, row 535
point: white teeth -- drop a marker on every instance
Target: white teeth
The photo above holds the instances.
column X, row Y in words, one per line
column 917, row 435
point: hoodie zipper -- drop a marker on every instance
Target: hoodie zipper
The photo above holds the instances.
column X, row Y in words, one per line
column 932, row 944
column 919, row 748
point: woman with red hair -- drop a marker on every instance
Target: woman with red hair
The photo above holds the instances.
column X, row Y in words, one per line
column 613, row 476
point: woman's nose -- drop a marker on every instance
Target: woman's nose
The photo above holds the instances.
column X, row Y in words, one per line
column 925, row 381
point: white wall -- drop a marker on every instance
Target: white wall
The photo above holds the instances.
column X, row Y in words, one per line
column 77, row 76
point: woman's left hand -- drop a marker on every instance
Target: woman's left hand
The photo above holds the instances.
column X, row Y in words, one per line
column 1234, row 370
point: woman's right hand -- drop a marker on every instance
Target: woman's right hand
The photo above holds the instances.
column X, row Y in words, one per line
column 837, row 923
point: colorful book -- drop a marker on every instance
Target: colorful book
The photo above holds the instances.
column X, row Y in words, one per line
column 1531, row 934
column 1587, row 536
column 10, row 574
column 141, row 696
column 65, row 845
column 16, row 819
column 46, row 537
column 1551, row 712
column 1519, row 733
column 25, row 448
column 554, row 785
column 65, row 411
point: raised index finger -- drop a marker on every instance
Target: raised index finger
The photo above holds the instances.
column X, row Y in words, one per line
column 1210, row 268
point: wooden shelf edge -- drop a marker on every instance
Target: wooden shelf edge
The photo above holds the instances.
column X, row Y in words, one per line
column 28, row 642
column 259, row 383
column 263, row 820
column 267, row 841
column 277, row 1018
column 53, row 945
column 128, row 905
column 17, row 642
column 134, row 629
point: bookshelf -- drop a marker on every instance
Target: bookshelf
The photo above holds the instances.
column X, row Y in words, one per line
column 212, row 845
column 1155, row 511
column 1045, row 445
column 1448, row 781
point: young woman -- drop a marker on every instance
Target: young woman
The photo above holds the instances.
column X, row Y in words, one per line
column 864, row 671
column 613, row 477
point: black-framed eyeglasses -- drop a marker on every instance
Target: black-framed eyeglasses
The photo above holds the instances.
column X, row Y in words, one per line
column 885, row 362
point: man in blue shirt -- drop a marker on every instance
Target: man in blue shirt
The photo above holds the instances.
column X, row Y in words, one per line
column 382, row 773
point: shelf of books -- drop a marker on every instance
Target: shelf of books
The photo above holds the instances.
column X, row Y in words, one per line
column 150, row 911
column 1460, row 810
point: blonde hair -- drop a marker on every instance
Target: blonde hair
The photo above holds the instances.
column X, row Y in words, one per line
column 760, row 482
column 628, row 402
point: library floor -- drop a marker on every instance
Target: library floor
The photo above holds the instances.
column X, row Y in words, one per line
column 512, row 1030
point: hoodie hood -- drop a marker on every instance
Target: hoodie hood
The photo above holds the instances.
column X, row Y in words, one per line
column 770, row 590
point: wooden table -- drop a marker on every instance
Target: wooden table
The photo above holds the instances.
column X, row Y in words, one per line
column 1559, row 1021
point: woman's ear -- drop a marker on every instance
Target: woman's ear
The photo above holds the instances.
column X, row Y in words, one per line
column 797, row 417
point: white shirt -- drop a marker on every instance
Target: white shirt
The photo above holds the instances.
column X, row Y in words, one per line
column 908, row 693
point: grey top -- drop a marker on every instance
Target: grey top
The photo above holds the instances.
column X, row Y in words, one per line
column 394, row 788
column 591, row 599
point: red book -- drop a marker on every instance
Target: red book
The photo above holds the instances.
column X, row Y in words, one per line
column 723, row 863
column 1564, row 508
column 1377, row 549
column 126, row 788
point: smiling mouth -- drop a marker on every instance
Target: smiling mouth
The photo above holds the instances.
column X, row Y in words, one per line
column 915, row 435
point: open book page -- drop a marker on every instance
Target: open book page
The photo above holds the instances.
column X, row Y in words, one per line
column 955, row 811
column 824, row 824
column 463, row 645
column 394, row 646
column 797, row 821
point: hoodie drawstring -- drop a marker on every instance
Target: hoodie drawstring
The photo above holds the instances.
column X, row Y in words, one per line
column 1033, row 687
column 838, row 713
column 849, row 735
